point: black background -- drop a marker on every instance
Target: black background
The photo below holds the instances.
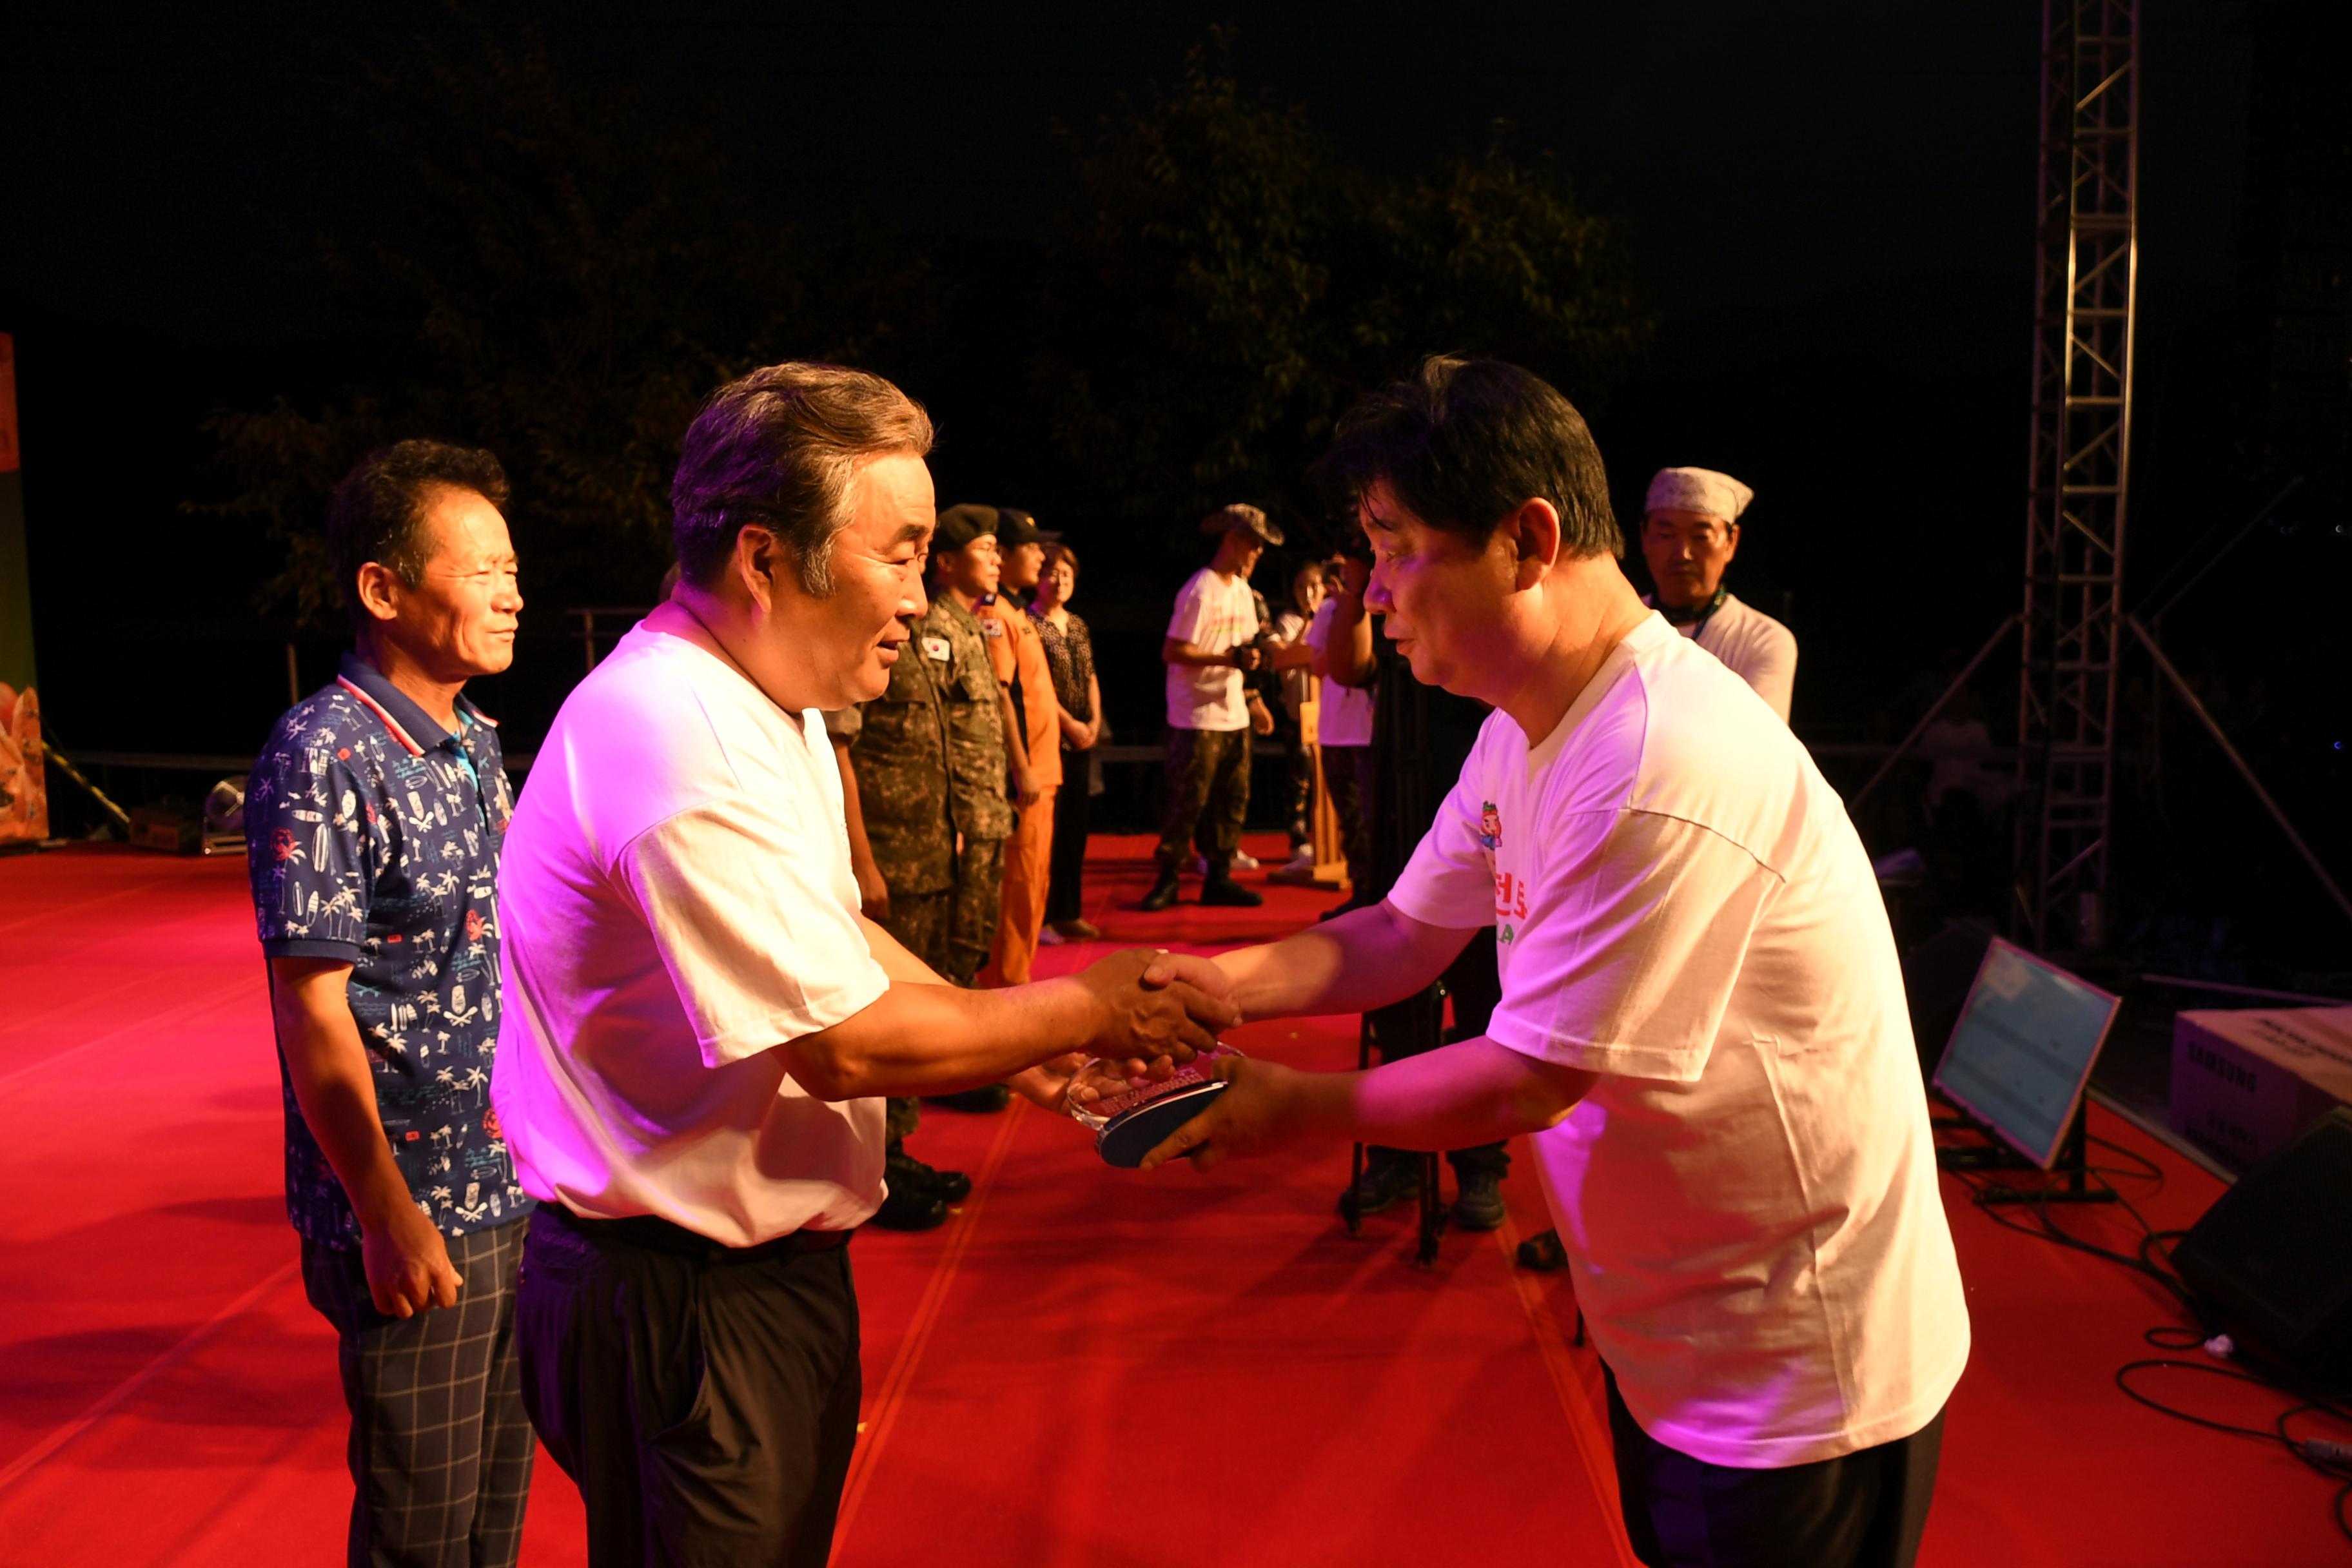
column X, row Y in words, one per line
column 1830, row 208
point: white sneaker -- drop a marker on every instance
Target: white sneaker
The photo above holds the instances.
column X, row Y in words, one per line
column 1242, row 861
column 1048, row 937
column 1302, row 862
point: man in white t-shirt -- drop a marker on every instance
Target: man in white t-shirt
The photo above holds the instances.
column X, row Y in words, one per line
column 699, row 1024
column 1702, row 1020
column 1690, row 531
column 1211, row 641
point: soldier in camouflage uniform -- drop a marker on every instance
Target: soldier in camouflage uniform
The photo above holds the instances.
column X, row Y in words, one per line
column 923, row 776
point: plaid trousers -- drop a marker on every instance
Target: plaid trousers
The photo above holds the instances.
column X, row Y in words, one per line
column 440, row 1448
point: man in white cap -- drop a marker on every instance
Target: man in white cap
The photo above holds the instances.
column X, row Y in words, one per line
column 1690, row 531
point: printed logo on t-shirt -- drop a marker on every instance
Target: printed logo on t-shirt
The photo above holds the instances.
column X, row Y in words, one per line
column 1510, row 888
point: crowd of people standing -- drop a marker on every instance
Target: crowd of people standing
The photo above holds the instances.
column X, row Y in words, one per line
column 587, row 1091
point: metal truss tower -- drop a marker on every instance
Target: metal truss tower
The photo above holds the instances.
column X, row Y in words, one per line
column 2085, row 296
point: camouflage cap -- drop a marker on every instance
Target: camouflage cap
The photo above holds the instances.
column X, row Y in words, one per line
column 1242, row 518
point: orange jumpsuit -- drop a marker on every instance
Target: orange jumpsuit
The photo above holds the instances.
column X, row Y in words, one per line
column 1020, row 660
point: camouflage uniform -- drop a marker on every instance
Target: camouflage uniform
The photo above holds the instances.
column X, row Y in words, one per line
column 929, row 757
column 929, row 754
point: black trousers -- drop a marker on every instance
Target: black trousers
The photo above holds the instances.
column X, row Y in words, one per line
column 704, row 1398
column 1066, row 868
column 440, row 1449
column 1865, row 1509
column 1475, row 982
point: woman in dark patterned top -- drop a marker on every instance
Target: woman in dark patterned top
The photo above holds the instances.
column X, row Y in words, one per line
column 1070, row 655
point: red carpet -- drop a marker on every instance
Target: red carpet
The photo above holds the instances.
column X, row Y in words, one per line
column 1084, row 1367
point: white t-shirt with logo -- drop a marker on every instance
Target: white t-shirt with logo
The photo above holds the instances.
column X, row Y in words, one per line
column 1347, row 710
column 1748, row 1195
column 1214, row 613
column 678, row 902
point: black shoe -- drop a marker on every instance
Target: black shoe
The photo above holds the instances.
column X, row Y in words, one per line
column 905, row 1171
column 1225, row 891
column 906, row 1209
column 987, row 1098
column 1381, row 1185
column 1162, row 894
column 1543, row 1254
column 1479, row 1205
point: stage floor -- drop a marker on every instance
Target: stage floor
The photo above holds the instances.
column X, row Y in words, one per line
column 1084, row 1367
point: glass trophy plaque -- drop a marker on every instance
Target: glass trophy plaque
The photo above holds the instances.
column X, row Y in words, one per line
column 1131, row 1117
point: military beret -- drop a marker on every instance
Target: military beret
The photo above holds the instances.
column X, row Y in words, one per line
column 960, row 525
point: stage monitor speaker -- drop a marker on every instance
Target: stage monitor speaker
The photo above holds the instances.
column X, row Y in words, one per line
column 2272, row 1257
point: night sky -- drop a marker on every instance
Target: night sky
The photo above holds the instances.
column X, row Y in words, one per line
column 1830, row 205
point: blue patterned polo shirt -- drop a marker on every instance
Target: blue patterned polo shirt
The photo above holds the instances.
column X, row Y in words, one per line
column 373, row 838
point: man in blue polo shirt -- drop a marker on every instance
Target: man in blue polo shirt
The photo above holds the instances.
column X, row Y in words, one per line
column 372, row 826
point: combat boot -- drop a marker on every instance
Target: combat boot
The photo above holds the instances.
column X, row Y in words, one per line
column 1221, row 889
column 1163, row 891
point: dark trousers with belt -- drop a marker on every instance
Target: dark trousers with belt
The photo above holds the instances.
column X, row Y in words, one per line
column 440, row 1448
column 1865, row 1509
column 703, row 1398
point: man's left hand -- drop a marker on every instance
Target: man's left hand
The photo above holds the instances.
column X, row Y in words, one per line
column 1048, row 1083
column 1262, row 1108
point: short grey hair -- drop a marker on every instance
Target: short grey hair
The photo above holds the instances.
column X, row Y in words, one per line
column 777, row 448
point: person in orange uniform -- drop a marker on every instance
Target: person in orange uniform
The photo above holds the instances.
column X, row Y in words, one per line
column 1020, row 658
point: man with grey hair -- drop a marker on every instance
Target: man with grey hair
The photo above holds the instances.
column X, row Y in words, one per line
column 1690, row 531
column 701, row 1024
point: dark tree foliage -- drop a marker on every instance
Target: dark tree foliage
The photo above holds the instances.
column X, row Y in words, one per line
column 564, row 283
column 1224, row 286
column 563, row 277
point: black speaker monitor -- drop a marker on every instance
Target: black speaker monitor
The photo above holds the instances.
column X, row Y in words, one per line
column 2273, row 1255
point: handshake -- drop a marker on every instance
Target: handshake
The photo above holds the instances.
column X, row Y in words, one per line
column 1154, row 1011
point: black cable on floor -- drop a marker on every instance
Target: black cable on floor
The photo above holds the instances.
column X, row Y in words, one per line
column 2334, row 1463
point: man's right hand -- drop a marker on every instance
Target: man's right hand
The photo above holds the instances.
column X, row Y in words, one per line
column 408, row 1264
column 1027, row 789
column 1142, row 1023
column 873, row 892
